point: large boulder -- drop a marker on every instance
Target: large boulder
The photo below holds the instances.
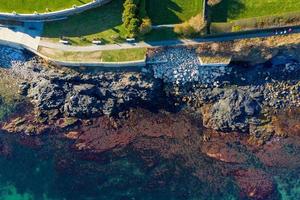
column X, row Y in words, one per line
column 232, row 112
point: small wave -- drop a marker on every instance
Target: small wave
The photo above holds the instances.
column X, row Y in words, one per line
column 10, row 56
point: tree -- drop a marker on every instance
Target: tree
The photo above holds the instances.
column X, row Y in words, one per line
column 135, row 18
column 133, row 27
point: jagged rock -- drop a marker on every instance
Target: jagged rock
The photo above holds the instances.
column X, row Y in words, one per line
column 232, row 112
column 86, row 96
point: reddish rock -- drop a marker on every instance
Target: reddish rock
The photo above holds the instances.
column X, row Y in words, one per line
column 281, row 152
column 225, row 147
column 107, row 134
column 223, row 152
column 254, row 183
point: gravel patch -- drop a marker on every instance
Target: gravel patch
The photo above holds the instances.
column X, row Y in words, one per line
column 181, row 65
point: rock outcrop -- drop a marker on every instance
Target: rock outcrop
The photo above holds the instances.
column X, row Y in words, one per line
column 87, row 96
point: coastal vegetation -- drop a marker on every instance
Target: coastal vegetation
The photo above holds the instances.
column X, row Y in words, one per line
column 193, row 27
column 31, row 6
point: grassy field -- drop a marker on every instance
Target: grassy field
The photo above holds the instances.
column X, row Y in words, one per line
column 30, row 6
column 230, row 10
column 173, row 11
column 104, row 22
column 95, row 56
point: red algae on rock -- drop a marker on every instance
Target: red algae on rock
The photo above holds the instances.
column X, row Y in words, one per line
column 221, row 148
column 254, row 183
column 107, row 134
column 283, row 153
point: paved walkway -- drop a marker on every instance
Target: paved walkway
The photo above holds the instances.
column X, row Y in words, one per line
column 27, row 35
column 256, row 34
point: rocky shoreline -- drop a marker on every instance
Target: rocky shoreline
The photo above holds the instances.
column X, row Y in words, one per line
column 231, row 117
column 240, row 97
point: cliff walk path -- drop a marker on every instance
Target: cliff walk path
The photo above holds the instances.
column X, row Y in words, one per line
column 177, row 42
column 24, row 35
column 29, row 36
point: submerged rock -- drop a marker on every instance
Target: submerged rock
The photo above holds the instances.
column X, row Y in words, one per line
column 255, row 183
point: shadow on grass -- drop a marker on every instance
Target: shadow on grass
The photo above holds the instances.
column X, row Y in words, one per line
column 227, row 9
column 162, row 11
column 107, row 17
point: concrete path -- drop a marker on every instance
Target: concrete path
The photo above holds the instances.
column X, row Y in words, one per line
column 28, row 35
column 256, row 34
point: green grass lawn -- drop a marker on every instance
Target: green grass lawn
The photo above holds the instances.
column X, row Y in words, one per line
column 29, row 6
column 230, row 10
column 124, row 55
column 173, row 11
column 121, row 55
column 104, row 22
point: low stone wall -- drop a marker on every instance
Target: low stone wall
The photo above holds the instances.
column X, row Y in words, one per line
column 221, row 64
column 51, row 16
column 136, row 63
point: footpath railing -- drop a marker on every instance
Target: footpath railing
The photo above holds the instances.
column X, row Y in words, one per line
column 52, row 16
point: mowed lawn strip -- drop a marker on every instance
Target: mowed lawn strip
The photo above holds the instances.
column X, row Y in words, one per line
column 103, row 23
column 173, row 11
column 122, row 55
column 229, row 10
column 30, row 6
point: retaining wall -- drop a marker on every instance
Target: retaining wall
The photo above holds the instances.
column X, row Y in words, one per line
column 120, row 65
column 221, row 64
column 51, row 16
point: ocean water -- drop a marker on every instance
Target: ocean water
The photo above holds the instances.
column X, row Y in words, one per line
column 32, row 173
column 52, row 171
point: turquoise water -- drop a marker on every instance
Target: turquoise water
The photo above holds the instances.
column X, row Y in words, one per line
column 33, row 173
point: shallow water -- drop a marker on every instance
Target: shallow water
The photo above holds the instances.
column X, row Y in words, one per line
column 52, row 171
column 33, row 174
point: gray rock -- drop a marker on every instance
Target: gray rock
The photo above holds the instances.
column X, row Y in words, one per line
column 232, row 112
